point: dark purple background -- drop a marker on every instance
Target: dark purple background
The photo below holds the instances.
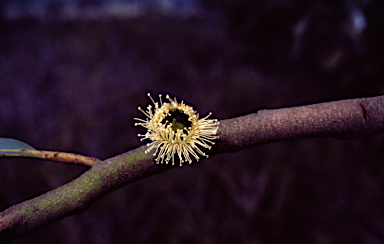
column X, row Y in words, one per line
column 75, row 86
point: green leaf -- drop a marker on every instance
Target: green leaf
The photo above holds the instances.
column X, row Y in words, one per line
column 12, row 147
column 9, row 143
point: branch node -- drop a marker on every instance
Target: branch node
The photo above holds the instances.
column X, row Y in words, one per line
column 364, row 113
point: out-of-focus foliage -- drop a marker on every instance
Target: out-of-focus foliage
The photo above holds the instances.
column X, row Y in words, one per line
column 9, row 143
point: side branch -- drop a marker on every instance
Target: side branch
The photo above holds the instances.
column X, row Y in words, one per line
column 342, row 119
column 62, row 157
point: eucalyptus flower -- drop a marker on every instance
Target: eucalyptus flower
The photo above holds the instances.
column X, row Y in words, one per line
column 175, row 128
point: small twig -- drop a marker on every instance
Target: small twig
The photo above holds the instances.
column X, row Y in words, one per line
column 52, row 156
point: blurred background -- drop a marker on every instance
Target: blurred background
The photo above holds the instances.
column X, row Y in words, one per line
column 72, row 74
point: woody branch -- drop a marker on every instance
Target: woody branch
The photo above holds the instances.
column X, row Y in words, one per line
column 340, row 119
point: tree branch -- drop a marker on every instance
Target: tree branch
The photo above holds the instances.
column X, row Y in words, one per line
column 345, row 119
column 62, row 157
column 341, row 119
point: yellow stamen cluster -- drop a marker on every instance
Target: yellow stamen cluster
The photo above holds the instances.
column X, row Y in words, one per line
column 175, row 128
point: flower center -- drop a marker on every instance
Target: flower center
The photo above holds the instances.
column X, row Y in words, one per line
column 178, row 119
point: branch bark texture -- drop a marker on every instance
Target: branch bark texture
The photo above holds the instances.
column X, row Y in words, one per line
column 344, row 119
column 341, row 119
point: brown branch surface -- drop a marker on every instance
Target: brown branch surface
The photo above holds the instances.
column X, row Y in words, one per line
column 62, row 157
column 344, row 119
column 341, row 119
